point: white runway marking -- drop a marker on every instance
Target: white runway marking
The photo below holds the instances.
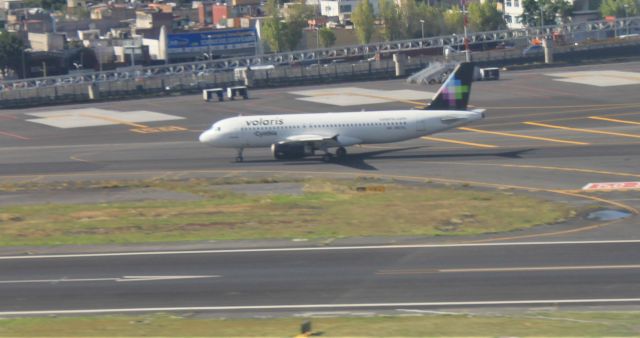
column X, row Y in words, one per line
column 336, row 248
column 95, row 117
column 354, row 96
column 511, row 269
column 112, row 279
column 323, row 306
column 600, row 78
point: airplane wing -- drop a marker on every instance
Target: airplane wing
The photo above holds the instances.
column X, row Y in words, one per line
column 317, row 140
column 309, row 138
column 320, row 141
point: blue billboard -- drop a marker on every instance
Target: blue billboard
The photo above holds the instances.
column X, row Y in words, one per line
column 211, row 41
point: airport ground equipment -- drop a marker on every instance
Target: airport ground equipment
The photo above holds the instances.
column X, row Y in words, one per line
column 436, row 72
column 209, row 94
column 492, row 73
column 232, row 92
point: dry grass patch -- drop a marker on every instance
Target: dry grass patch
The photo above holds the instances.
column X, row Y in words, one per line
column 326, row 209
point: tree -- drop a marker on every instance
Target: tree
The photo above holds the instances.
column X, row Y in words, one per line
column 52, row 5
column 619, row 8
column 273, row 27
column 453, row 21
column 485, row 17
column 562, row 9
column 391, row 18
column 363, row 20
column 409, row 19
column 11, row 53
column 433, row 20
column 296, row 20
column 327, row 37
column 549, row 10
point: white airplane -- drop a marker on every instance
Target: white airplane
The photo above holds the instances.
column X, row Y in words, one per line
column 293, row 136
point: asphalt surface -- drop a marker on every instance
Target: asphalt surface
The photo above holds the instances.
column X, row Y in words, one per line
column 371, row 278
column 541, row 136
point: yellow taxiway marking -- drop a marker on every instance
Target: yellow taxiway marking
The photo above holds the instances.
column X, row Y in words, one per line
column 511, row 269
column 523, row 136
column 380, row 97
column 438, row 139
column 583, row 110
column 571, row 106
column 138, row 128
column 116, row 121
column 613, row 120
column 163, row 129
column 530, row 166
column 591, row 131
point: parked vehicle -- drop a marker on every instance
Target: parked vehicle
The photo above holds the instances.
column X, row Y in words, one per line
column 532, row 50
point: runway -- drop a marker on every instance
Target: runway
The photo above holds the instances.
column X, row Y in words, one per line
column 542, row 136
column 383, row 277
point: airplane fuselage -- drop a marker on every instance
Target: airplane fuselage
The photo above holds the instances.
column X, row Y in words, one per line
column 348, row 129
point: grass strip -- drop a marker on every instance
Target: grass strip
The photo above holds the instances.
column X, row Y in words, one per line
column 542, row 324
column 326, row 209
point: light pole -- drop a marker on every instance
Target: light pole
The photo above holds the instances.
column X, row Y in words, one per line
column 422, row 27
column 625, row 17
column 24, row 67
column 209, row 46
column 317, row 44
column 541, row 14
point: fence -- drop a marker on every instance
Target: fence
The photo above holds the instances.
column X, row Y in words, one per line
column 193, row 81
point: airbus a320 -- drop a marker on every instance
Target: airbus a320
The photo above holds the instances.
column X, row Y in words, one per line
column 293, row 136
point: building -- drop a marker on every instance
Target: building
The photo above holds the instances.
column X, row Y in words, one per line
column 11, row 4
column 513, row 9
column 341, row 9
column 582, row 12
column 153, row 20
column 29, row 20
column 47, row 42
column 217, row 14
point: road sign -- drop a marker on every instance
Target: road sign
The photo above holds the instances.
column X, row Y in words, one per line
column 612, row 186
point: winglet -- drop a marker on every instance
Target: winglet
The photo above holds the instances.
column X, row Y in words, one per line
column 454, row 93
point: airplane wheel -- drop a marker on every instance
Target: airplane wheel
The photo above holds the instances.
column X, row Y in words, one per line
column 239, row 159
column 327, row 157
column 341, row 153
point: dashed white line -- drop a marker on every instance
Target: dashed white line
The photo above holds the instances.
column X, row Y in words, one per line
column 336, row 248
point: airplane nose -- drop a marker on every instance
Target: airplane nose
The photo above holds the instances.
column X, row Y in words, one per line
column 205, row 137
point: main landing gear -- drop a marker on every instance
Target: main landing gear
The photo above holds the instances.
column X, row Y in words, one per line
column 341, row 153
column 240, row 158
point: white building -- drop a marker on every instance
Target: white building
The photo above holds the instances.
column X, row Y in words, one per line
column 342, row 8
column 512, row 11
column 582, row 12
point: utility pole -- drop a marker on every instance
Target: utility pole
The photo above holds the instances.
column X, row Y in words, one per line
column 318, row 45
column 422, row 27
column 24, row 67
column 467, row 52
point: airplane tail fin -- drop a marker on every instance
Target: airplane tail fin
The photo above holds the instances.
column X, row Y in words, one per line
column 454, row 93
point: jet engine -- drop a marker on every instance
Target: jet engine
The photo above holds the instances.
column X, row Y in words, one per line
column 285, row 151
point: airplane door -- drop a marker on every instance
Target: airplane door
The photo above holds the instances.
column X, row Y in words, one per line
column 421, row 126
column 235, row 136
column 240, row 135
